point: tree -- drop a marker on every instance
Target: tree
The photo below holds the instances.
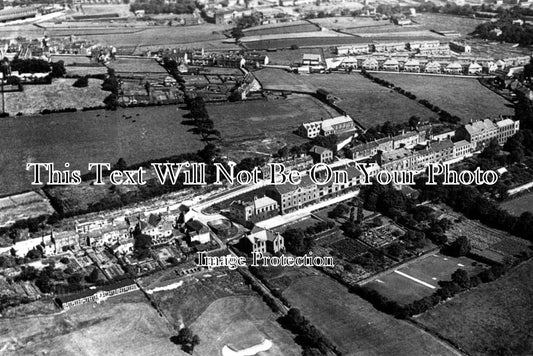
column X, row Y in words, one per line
column 120, row 165
column 58, row 69
column 360, row 215
column 94, row 276
column 237, row 33
column 338, row 211
column 461, row 278
column 82, row 82
column 185, row 336
column 460, row 247
column 111, row 102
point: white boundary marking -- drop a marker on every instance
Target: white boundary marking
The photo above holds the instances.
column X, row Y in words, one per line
column 414, row 279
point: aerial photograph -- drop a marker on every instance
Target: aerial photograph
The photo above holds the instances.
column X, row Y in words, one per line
column 266, row 177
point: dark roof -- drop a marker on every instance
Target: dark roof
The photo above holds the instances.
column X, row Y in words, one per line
column 287, row 187
column 154, row 219
column 195, row 225
column 319, row 150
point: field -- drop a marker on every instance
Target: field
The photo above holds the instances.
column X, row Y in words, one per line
column 429, row 270
column 26, row 205
column 354, row 325
column 493, row 319
column 208, row 36
column 294, row 56
column 58, row 95
column 303, row 42
column 487, row 242
column 293, row 27
column 136, row 65
column 463, row 97
column 360, row 98
column 240, row 323
column 364, row 100
column 264, row 126
column 124, row 325
column 185, row 304
column 441, row 22
column 135, row 134
column 519, row 205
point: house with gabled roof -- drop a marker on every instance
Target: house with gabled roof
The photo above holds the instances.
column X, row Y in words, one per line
column 391, row 64
column 433, row 67
column 474, row 68
column 370, row 63
column 454, row 68
column 412, row 65
column 262, row 240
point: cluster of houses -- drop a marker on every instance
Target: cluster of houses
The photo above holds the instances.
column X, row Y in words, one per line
column 44, row 48
column 429, row 56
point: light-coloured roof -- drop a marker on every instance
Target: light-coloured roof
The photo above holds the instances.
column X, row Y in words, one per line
column 480, row 126
column 263, row 202
column 311, row 56
column 504, row 122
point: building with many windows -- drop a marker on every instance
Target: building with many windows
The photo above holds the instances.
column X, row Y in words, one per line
column 336, row 125
column 253, row 211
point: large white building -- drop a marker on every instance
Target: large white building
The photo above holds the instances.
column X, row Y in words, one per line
column 327, row 127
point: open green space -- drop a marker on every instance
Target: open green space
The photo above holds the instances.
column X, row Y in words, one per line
column 135, row 134
column 493, row 319
column 264, row 126
column 240, row 323
column 368, row 103
column 123, row 325
column 429, row 270
column 354, row 325
column 519, row 205
column 463, row 97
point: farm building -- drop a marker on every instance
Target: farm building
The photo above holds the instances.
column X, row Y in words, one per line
column 310, row 59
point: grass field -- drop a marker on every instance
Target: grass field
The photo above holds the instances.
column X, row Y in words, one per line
column 354, row 325
column 264, row 126
column 124, row 325
column 519, row 205
column 283, row 28
column 304, row 42
column 240, row 323
column 92, row 136
column 58, row 95
column 493, row 319
column 141, row 65
column 429, row 270
column 294, row 56
column 185, row 304
column 362, row 99
column 463, row 97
